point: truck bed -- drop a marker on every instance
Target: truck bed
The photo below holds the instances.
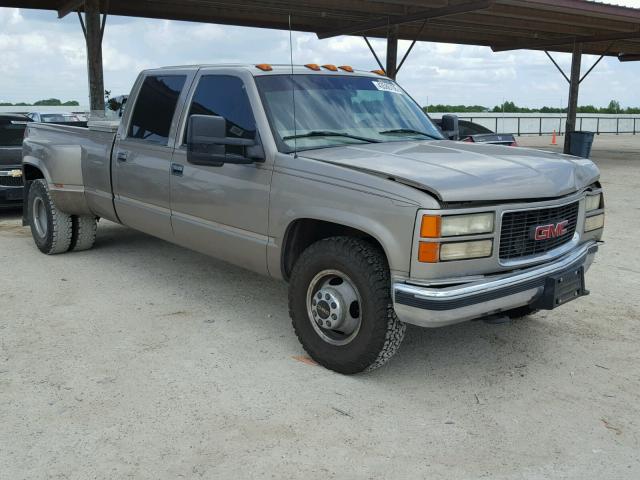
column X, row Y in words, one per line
column 76, row 162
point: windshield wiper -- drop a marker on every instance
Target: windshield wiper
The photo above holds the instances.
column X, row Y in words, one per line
column 409, row 132
column 329, row 133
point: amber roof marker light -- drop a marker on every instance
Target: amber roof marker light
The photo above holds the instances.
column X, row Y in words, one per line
column 330, row 67
column 265, row 67
column 313, row 66
column 346, row 68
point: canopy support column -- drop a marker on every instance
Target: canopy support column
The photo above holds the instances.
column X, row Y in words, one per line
column 574, row 87
column 94, row 31
column 392, row 52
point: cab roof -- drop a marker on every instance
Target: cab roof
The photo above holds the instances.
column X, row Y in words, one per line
column 277, row 69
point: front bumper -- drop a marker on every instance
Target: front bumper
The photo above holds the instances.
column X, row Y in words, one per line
column 11, row 196
column 447, row 305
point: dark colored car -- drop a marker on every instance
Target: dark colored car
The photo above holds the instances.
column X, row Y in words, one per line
column 474, row 132
column 12, row 127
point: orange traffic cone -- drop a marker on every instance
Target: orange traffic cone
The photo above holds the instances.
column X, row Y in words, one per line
column 553, row 139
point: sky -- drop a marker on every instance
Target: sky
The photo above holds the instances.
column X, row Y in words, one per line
column 43, row 57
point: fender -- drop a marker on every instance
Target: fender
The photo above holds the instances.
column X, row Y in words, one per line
column 61, row 167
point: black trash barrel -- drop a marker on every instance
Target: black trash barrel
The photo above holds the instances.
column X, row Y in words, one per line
column 580, row 144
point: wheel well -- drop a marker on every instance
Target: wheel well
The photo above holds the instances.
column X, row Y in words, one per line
column 306, row 231
column 31, row 173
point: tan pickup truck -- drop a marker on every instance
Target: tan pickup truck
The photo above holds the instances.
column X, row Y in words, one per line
column 335, row 181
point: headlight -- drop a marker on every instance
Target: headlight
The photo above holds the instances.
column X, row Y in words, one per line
column 430, row 252
column 464, row 250
column 594, row 223
column 593, row 202
column 456, row 225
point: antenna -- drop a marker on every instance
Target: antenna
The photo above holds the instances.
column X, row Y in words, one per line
column 293, row 93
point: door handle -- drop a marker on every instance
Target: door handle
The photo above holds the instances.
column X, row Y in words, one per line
column 122, row 156
column 177, row 169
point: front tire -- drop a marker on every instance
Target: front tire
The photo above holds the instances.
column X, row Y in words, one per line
column 341, row 307
column 51, row 229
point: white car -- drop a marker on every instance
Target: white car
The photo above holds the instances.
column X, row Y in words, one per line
column 56, row 117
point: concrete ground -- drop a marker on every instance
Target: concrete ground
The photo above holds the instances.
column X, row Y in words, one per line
column 140, row 359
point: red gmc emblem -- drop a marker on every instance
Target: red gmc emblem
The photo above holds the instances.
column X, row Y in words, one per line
column 546, row 232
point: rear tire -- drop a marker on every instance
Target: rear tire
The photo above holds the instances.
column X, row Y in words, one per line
column 341, row 307
column 84, row 228
column 51, row 229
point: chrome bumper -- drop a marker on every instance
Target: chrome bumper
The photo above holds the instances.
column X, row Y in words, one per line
column 437, row 307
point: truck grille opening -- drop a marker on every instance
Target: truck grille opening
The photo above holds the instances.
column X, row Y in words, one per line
column 10, row 181
column 517, row 233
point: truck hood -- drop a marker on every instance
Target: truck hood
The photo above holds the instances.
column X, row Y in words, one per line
column 462, row 172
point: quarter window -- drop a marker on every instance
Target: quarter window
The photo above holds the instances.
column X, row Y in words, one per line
column 155, row 107
column 225, row 96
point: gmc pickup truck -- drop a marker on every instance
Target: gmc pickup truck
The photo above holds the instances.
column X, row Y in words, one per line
column 335, row 181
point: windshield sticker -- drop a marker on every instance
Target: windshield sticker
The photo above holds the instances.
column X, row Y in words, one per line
column 386, row 86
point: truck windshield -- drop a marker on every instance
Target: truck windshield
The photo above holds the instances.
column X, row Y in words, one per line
column 332, row 110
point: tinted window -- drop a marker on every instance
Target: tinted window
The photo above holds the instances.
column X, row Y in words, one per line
column 11, row 131
column 226, row 97
column 155, row 106
column 468, row 128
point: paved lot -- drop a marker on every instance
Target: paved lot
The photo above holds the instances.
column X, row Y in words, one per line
column 139, row 359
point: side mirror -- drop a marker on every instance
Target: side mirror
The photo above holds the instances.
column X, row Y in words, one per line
column 450, row 127
column 207, row 143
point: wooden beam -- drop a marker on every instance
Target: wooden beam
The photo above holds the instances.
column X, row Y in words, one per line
column 626, row 57
column 69, row 6
column 392, row 52
column 375, row 55
column 554, row 42
column 574, row 88
column 94, row 57
column 413, row 17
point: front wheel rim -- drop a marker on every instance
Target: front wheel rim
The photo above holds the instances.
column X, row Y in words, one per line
column 334, row 307
column 40, row 219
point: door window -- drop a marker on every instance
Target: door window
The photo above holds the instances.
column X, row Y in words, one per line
column 155, row 107
column 225, row 96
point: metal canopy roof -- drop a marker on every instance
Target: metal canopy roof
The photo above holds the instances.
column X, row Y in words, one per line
column 553, row 25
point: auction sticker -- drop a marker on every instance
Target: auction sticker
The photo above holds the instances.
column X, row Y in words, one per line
column 386, row 86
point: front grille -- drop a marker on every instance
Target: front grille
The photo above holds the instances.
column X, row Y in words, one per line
column 516, row 234
column 10, row 181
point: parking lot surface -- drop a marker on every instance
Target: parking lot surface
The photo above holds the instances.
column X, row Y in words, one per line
column 139, row 359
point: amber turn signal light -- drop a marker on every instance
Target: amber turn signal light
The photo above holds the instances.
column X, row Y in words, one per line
column 429, row 252
column 430, row 226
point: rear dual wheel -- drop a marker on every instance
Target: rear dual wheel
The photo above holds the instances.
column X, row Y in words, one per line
column 55, row 231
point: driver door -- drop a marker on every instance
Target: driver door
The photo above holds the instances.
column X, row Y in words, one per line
column 222, row 210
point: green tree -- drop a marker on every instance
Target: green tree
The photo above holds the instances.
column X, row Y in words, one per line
column 48, row 102
column 614, row 107
column 71, row 103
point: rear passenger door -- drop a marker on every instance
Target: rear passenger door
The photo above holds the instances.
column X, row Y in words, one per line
column 143, row 150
